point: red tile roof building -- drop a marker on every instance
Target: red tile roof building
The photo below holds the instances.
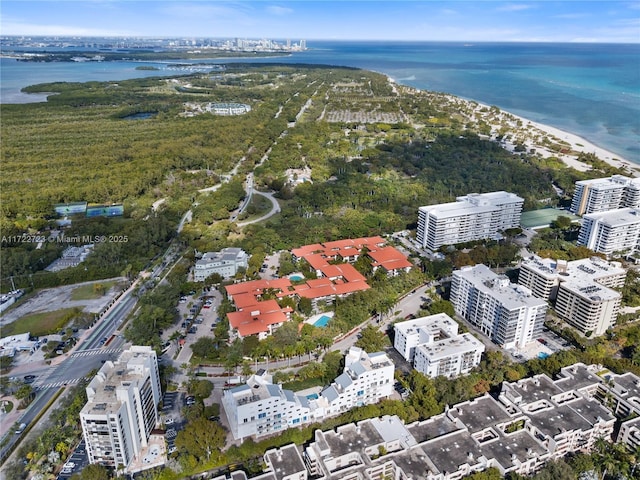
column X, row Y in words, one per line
column 258, row 317
column 390, row 260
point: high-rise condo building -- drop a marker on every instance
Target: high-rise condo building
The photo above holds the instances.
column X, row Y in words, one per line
column 614, row 231
column 508, row 314
column 121, row 408
column 472, row 217
column 602, row 194
column 581, row 290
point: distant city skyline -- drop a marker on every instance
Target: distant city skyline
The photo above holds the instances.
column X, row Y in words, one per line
column 519, row 21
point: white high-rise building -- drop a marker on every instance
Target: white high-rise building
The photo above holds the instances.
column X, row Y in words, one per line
column 612, row 231
column 434, row 346
column 508, row 314
column 471, row 217
column 121, row 408
column 602, row 194
column 582, row 290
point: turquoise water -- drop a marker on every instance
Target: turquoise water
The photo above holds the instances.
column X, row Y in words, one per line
column 542, row 355
column 313, row 396
column 592, row 90
column 296, row 278
column 322, row 321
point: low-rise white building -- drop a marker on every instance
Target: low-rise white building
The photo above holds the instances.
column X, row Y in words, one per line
column 563, row 413
column 261, row 408
column 121, row 408
column 367, row 378
column 434, row 346
column 225, row 263
column 533, row 421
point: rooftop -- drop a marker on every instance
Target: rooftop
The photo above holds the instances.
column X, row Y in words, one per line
column 129, row 370
column 480, row 413
column 616, row 218
column 451, row 346
column 511, row 296
column 285, row 461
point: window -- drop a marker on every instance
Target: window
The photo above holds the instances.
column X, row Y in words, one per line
column 262, row 415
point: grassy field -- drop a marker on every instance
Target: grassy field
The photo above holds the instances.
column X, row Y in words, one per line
column 42, row 323
column 90, row 292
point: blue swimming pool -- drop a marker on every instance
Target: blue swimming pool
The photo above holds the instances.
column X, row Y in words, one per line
column 313, row 396
column 542, row 355
column 296, row 277
column 322, row 321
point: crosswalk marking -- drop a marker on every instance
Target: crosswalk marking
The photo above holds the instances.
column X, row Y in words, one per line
column 99, row 351
column 61, row 383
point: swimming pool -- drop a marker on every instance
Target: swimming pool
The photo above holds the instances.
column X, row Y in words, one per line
column 322, row 321
column 313, row 396
column 296, row 277
column 542, row 355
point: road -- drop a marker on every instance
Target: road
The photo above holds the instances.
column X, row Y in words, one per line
column 275, row 208
column 88, row 356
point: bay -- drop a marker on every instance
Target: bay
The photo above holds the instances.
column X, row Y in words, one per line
column 591, row 90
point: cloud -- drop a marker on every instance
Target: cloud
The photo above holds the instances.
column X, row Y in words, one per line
column 448, row 11
column 20, row 28
column 277, row 10
column 514, row 7
column 202, row 10
column 572, row 16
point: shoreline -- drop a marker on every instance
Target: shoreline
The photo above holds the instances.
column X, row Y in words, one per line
column 514, row 132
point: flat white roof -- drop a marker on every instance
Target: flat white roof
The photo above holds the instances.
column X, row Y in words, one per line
column 447, row 347
column 511, row 296
column 472, row 204
column 616, row 218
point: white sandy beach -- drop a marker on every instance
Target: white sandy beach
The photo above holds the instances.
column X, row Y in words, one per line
column 537, row 138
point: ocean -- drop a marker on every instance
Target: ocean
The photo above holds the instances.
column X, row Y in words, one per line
column 591, row 90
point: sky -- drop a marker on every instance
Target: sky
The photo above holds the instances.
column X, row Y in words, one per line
column 480, row 20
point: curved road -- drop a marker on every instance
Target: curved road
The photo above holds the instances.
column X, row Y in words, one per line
column 275, row 208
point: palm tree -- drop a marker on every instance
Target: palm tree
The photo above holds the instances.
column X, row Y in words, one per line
column 604, row 457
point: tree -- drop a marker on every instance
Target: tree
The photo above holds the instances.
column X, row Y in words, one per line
column 201, row 438
column 557, row 470
column 204, row 347
column 92, row 472
column 305, row 306
column 24, row 391
column 200, row 388
column 561, row 223
column 371, row 339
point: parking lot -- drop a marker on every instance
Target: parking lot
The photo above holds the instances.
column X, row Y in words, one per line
column 546, row 343
column 76, row 462
column 171, row 417
column 198, row 314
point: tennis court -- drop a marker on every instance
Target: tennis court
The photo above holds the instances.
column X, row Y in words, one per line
column 542, row 218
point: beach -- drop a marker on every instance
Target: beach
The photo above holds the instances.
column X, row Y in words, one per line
column 519, row 134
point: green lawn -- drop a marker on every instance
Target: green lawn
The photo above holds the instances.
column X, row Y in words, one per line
column 89, row 292
column 42, row 323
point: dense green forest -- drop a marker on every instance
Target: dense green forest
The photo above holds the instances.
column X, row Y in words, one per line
column 374, row 153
